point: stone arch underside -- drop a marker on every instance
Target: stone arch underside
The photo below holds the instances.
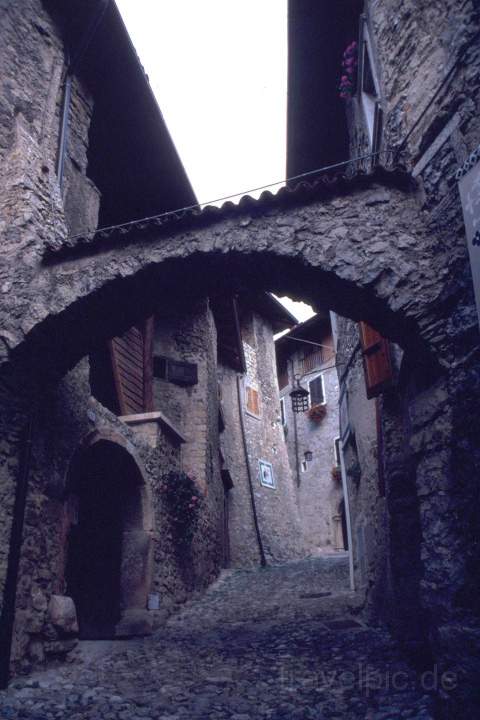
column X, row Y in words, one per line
column 363, row 251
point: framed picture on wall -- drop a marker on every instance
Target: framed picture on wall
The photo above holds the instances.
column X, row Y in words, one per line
column 267, row 478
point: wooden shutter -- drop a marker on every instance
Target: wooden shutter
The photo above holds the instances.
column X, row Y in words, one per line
column 376, row 360
column 253, row 400
column 317, row 396
column 131, row 355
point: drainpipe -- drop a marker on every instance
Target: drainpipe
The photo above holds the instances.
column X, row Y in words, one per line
column 16, row 534
column 72, row 66
column 295, row 433
column 347, row 516
column 263, row 560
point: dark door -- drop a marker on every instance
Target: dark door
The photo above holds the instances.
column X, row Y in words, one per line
column 94, row 556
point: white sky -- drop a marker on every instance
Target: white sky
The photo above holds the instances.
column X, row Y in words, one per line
column 218, row 69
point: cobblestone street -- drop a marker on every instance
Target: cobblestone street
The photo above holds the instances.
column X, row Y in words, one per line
column 282, row 642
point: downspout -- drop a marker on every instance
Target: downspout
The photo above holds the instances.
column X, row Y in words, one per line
column 295, row 434
column 263, row 560
column 346, row 499
column 72, row 66
column 15, row 547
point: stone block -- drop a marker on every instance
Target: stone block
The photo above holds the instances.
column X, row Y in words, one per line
column 63, row 615
column 134, row 622
column 136, row 568
column 36, row 652
column 39, row 601
column 60, row 648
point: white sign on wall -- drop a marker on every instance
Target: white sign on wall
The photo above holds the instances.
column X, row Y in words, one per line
column 469, row 187
column 267, row 478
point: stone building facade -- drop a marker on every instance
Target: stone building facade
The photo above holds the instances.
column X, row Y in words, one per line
column 97, row 524
column 387, row 248
column 317, row 480
column 263, row 517
column 360, row 434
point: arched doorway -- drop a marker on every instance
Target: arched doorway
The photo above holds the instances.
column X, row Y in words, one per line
column 108, row 556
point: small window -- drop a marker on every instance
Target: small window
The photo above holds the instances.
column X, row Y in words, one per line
column 282, row 411
column 317, row 391
column 369, row 89
column 336, row 451
column 252, row 400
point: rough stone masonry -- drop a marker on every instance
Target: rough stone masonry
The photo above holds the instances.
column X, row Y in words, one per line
column 387, row 248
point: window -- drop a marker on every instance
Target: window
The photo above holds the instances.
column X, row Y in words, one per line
column 282, row 372
column 252, row 400
column 282, row 411
column 336, row 451
column 317, row 391
column 175, row 371
column 369, row 88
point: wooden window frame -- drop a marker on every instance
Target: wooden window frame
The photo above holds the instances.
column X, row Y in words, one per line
column 324, row 393
column 250, row 388
column 365, row 51
column 377, row 363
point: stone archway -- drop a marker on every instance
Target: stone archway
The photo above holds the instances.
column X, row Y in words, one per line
column 360, row 247
column 109, row 558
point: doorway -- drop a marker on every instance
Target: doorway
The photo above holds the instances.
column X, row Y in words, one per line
column 106, row 540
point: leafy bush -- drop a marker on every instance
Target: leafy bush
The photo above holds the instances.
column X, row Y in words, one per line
column 183, row 501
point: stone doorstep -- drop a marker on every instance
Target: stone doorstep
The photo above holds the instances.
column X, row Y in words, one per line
column 147, row 425
column 134, row 622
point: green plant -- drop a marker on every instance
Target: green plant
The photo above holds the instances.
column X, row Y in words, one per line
column 183, row 501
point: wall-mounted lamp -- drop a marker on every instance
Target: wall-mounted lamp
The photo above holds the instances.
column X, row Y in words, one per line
column 299, row 398
column 308, row 455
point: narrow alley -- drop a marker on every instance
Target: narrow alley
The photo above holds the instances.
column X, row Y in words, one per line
column 281, row 642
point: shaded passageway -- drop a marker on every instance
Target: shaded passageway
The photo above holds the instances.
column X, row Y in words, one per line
column 282, row 642
column 105, row 518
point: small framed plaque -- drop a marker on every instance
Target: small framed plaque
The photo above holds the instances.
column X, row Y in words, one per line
column 267, row 478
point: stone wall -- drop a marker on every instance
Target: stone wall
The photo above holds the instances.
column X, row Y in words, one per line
column 369, row 248
column 276, row 507
column 67, row 416
column 318, row 494
column 430, row 84
column 368, row 512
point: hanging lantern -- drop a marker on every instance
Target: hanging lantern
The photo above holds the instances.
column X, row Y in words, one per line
column 308, row 455
column 299, row 398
